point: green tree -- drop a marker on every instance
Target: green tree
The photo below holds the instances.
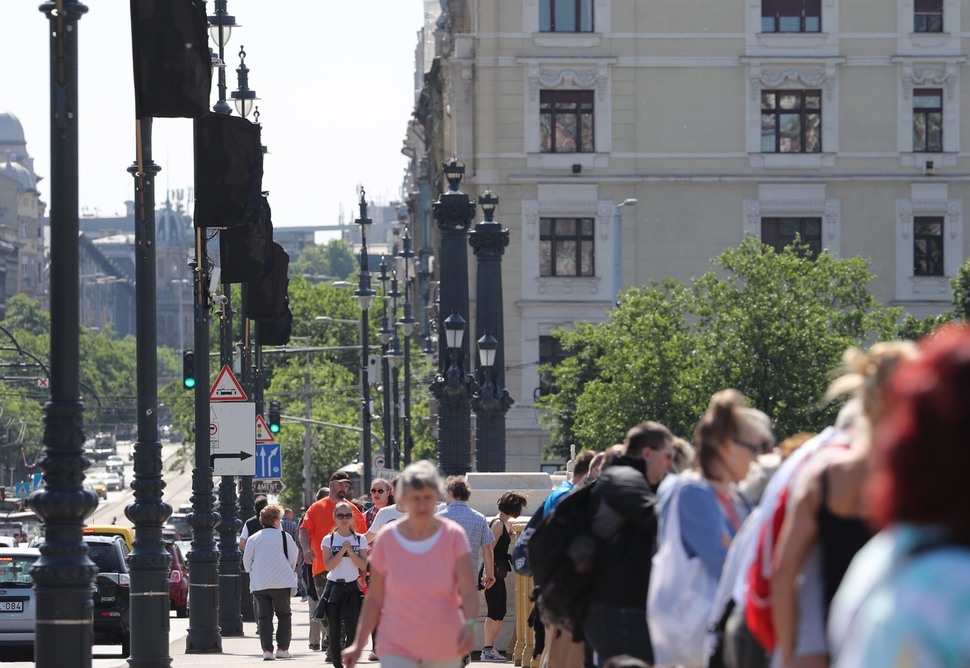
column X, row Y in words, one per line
column 333, row 259
column 772, row 325
column 961, row 292
column 25, row 315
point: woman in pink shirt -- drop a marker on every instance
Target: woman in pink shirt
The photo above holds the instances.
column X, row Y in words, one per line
column 422, row 591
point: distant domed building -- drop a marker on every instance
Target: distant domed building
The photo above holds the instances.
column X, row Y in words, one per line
column 22, row 252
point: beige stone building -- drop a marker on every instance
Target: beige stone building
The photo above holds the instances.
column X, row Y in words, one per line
column 840, row 121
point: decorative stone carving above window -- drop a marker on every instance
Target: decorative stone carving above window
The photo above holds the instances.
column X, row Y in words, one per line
column 789, row 78
column 928, row 77
column 592, row 77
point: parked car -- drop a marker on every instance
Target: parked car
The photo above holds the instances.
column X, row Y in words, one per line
column 111, row 591
column 178, row 581
column 17, row 602
column 114, row 482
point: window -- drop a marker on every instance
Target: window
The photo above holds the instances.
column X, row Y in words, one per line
column 781, row 232
column 791, row 15
column 928, row 246
column 566, row 121
column 566, row 247
column 551, row 354
column 566, row 15
column 928, row 120
column 791, row 121
column 928, row 16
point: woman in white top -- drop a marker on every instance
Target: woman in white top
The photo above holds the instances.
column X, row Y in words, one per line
column 345, row 558
column 270, row 559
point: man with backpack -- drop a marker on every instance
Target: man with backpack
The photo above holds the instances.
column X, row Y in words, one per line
column 625, row 525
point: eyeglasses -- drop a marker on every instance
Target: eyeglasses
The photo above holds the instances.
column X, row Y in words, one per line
column 377, row 490
column 753, row 447
column 344, row 516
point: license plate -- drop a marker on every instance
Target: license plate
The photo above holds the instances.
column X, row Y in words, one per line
column 11, row 606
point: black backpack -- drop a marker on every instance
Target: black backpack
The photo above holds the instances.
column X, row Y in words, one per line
column 565, row 558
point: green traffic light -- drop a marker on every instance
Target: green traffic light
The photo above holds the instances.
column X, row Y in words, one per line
column 189, row 383
column 274, row 428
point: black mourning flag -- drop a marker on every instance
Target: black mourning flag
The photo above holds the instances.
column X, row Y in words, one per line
column 228, row 171
column 172, row 63
column 267, row 294
column 246, row 252
column 276, row 332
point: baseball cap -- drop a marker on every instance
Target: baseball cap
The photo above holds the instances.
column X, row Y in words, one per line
column 340, row 476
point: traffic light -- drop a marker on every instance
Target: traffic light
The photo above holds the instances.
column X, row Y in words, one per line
column 188, row 369
column 274, row 416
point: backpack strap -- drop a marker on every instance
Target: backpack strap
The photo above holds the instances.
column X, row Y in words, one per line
column 286, row 552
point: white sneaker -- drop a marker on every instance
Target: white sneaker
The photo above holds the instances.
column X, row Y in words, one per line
column 493, row 656
column 283, row 654
column 268, row 656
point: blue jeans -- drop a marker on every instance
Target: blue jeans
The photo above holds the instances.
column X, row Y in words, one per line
column 612, row 631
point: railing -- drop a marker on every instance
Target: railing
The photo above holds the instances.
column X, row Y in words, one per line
column 523, row 640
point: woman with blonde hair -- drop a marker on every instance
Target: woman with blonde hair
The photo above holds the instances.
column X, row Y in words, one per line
column 826, row 512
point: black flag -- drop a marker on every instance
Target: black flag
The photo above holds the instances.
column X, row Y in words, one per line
column 276, row 332
column 172, row 63
column 267, row 298
column 228, row 171
column 246, row 252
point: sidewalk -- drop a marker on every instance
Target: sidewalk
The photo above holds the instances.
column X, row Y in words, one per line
column 245, row 650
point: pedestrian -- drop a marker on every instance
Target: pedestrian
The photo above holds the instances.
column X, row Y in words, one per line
column 385, row 506
column 905, row 599
column 825, row 512
column 422, row 588
column 382, row 496
column 345, row 557
column 560, row 650
column 317, row 523
column 624, row 518
column 393, row 511
column 480, row 537
column 252, row 525
column 289, row 525
column 510, row 506
column 316, row 633
column 699, row 517
column 270, row 559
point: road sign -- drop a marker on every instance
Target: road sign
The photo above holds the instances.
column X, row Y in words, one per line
column 269, row 461
column 232, row 440
column 268, row 487
column 226, row 387
column 263, row 434
column 43, row 383
column 378, row 461
column 22, row 490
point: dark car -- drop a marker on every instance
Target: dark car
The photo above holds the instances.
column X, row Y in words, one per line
column 178, row 581
column 111, row 591
column 181, row 523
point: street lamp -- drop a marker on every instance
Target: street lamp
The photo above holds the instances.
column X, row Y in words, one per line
column 492, row 402
column 408, row 325
column 618, row 246
column 243, row 97
column 364, row 297
column 453, row 212
column 221, row 24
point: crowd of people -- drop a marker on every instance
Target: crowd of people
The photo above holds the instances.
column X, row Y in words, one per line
column 848, row 547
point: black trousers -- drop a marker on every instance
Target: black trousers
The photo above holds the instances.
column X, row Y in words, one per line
column 343, row 608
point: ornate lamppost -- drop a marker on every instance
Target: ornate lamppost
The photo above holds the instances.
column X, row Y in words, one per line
column 489, row 240
column 365, row 298
column 386, row 333
column 408, row 326
column 452, row 387
column 454, row 212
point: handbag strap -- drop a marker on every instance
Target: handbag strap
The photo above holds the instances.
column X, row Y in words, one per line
column 286, row 552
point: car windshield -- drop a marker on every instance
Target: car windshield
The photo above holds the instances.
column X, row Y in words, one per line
column 15, row 570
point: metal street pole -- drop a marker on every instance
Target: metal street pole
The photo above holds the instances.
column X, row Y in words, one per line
column 408, row 326
column 385, row 333
column 63, row 575
column 454, row 212
column 618, row 246
column 365, row 298
column 149, row 559
column 308, row 495
column 489, row 240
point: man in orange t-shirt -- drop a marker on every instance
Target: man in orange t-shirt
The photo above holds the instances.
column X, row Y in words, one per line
column 319, row 521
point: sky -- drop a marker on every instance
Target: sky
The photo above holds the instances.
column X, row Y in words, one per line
column 335, row 80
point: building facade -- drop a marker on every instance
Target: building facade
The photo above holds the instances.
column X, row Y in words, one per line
column 837, row 121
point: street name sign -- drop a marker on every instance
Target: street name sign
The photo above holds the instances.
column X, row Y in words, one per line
column 268, row 487
column 232, row 439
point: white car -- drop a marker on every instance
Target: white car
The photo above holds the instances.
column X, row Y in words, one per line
column 17, row 602
column 114, row 463
column 113, row 482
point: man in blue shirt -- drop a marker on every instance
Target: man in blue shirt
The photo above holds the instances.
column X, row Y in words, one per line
column 580, row 468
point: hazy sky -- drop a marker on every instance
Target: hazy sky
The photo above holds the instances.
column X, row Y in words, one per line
column 335, row 80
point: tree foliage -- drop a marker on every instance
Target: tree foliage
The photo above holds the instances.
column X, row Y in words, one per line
column 772, row 325
column 333, row 259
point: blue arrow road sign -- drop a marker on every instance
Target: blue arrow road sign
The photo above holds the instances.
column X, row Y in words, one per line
column 269, row 461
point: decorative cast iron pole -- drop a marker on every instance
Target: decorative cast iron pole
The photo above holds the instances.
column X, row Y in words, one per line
column 63, row 575
column 492, row 402
column 365, row 297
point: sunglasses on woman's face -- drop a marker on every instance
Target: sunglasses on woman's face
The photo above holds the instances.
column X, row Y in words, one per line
column 378, row 490
column 344, row 516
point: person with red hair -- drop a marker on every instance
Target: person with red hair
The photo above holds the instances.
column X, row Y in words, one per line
column 905, row 600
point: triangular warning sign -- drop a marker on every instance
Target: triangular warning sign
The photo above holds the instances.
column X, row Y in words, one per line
column 226, row 387
column 263, row 434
